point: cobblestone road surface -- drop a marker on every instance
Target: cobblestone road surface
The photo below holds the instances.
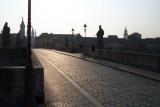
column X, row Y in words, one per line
column 107, row 86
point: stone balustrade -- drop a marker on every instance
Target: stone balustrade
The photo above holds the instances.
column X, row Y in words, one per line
column 142, row 60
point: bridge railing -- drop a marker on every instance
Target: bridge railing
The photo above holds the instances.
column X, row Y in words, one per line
column 142, row 60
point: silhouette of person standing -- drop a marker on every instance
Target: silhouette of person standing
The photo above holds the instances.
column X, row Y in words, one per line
column 93, row 48
column 6, row 36
column 100, row 33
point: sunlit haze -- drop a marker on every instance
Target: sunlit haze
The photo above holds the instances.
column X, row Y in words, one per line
column 60, row 16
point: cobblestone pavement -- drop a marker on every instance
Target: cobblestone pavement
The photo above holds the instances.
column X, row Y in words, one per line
column 110, row 87
column 58, row 91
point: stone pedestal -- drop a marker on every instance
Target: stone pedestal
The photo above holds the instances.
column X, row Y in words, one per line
column 12, row 78
column 100, row 44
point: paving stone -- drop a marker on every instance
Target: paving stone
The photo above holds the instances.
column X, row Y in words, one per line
column 111, row 87
column 59, row 92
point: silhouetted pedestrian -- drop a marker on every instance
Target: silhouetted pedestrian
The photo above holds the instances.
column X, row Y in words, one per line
column 93, row 48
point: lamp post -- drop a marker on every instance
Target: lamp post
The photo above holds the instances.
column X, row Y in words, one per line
column 29, row 95
column 85, row 28
column 29, row 28
column 72, row 38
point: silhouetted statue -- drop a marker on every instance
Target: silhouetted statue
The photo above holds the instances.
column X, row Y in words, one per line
column 100, row 33
column 6, row 36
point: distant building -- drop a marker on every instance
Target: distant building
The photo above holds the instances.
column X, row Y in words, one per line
column 125, row 34
column 22, row 29
column 65, row 42
column 112, row 37
column 134, row 42
column 135, row 36
column 22, row 37
column 59, row 41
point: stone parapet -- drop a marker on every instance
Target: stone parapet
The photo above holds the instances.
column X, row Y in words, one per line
column 142, row 60
column 12, row 79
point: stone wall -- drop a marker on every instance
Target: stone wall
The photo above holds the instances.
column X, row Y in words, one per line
column 142, row 60
column 13, row 82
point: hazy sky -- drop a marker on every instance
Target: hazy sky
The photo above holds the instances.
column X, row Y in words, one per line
column 60, row 16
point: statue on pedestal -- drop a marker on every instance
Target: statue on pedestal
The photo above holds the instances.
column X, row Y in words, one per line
column 100, row 33
column 6, row 36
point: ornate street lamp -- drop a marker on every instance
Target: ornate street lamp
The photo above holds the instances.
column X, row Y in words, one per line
column 72, row 37
column 85, row 28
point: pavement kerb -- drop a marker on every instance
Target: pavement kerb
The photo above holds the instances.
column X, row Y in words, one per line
column 112, row 66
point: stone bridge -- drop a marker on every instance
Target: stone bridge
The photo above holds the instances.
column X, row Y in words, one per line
column 75, row 80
